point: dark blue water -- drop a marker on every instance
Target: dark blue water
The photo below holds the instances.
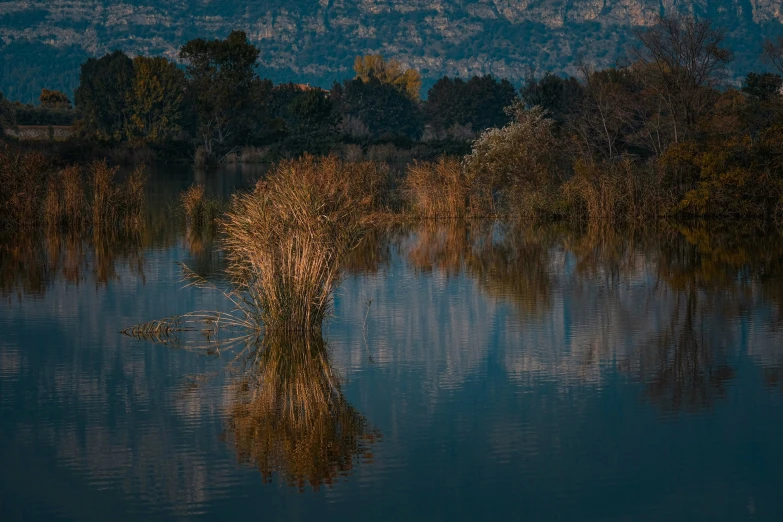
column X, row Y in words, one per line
column 505, row 373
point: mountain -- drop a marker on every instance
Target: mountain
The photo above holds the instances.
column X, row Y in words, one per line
column 42, row 42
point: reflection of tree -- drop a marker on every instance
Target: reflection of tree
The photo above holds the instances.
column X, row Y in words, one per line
column 508, row 260
column 291, row 417
column 685, row 366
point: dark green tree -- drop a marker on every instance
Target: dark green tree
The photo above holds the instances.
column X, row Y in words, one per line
column 382, row 109
column 227, row 94
column 102, row 96
column 477, row 104
column 762, row 86
column 560, row 97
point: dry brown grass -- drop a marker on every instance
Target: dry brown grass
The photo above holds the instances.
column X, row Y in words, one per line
column 74, row 199
column 287, row 239
column 23, row 178
column 614, row 192
column 201, row 211
column 33, row 193
column 437, row 189
column 105, row 196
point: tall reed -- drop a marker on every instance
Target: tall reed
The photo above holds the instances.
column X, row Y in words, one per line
column 74, row 198
column 437, row 189
column 286, row 240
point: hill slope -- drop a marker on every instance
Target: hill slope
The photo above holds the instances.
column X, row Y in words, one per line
column 42, row 42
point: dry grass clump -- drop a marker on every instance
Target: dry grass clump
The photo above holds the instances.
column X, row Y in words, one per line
column 437, row 189
column 287, row 239
column 116, row 206
column 291, row 417
column 614, row 192
column 201, row 211
column 33, row 193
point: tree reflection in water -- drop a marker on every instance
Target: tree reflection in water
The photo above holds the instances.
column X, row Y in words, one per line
column 697, row 282
column 291, row 418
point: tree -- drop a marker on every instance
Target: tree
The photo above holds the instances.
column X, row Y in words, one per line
column 605, row 117
column 225, row 88
column 762, row 86
column 306, row 118
column 477, row 104
column 6, row 115
column 54, row 100
column 683, row 64
column 517, row 163
column 156, row 99
column 102, row 96
column 560, row 97
column 391, row 72
column 773, row 52
column 380, row 107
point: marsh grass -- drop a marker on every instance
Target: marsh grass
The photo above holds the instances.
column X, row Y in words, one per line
column 437, row 189
column 611, row 193
column 34, row 193
column 201, row 211
column 286, row 240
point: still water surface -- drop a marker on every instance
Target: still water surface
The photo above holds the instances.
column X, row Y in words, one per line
column 487, row 372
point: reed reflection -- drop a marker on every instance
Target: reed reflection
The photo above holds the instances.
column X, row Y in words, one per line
column 290, row 416
column 507, row 259
column 31, row 261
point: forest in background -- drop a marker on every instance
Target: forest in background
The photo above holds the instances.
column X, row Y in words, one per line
column 665, row 134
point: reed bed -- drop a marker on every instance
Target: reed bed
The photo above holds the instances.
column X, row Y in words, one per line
column 34, row 193
column 437, row 189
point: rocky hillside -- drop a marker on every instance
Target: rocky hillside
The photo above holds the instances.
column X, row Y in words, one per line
column 42, row 42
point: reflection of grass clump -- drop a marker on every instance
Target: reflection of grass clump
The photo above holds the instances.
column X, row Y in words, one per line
column 291, row 417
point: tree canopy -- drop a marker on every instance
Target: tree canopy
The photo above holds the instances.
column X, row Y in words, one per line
column 102, row 96
column 391, row 72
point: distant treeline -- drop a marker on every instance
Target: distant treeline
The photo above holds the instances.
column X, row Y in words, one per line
column 218, row 104
column 661, row 134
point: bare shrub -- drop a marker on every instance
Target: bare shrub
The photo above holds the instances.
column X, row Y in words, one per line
column 514, row 169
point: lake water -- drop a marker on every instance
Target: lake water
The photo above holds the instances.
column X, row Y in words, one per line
column 487, row 371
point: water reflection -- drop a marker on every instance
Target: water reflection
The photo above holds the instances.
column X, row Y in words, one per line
column 291, row 418
column 31, row 261
column 670, row 307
